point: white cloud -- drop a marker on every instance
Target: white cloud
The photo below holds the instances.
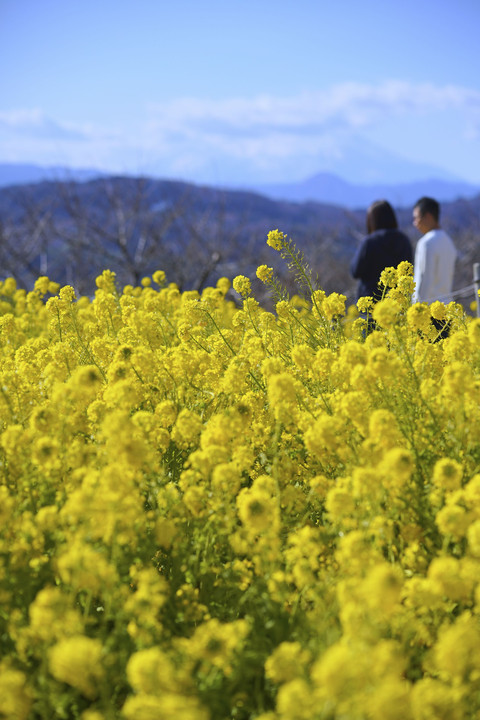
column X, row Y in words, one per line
column 35, row 123
column 30, row 135
column 268, row 130
column 351, row 105
column 262, row 136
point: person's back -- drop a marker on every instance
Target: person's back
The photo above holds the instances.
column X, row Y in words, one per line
column 380, row 249
column 384, row 246
column 435, row 255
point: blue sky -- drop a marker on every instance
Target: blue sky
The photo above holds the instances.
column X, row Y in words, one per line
column 225, row 92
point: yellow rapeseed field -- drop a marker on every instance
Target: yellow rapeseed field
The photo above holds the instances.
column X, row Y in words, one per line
column 211, row 511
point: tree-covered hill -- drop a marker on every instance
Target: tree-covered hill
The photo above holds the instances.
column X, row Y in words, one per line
column 71, row 231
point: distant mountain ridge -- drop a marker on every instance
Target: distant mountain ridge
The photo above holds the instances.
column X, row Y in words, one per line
column 330, row 188
column 26, row 173
column 323, row 187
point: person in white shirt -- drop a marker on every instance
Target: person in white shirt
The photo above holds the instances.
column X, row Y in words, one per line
column 435, row 255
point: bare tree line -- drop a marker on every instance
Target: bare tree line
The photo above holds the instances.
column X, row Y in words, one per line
column 73, row 231
column 71, row 238
column 135, row 226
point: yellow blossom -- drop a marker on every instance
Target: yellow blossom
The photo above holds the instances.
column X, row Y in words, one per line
column 365, row 304
column 264, row 273
column 275, row 239
column 77, row 661
column 241, row 285
column 437, row 310
column 258, row 509
column 16, row 697
column 286, row 662
column 447, row 474
column 418, row 316
column 388, row 277
column 432, row 698
column 386, row 312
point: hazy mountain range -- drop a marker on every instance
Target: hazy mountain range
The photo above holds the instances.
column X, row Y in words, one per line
column 26, row 173
column 323, row 187
column 332, row 189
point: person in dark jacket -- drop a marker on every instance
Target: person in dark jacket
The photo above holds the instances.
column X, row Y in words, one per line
column 384, row 246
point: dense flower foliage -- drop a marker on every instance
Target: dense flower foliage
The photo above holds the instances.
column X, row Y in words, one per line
column 213, row 511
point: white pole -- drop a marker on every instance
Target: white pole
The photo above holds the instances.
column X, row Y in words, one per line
column 476, row 282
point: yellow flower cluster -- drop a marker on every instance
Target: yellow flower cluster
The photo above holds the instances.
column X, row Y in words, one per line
column 212, row 511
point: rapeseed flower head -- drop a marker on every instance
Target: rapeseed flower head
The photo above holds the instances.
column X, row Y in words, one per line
column 187, row 428
column 302, row 356
column 42, row 285
column 447, row 474
column 242, row 286
column 391, row 700
column 339, row 503
column 453, row 520
column 282, row 396
column 431, row 698
column 404, row 269
column 386, row 312
column 52, row 617
column 78, row 661
column 295, row 700
column 457, row 378
column 265, row 273
column 168, row 706
column 326, row 437
column 437, row 310
column 418, row 317
column 474, row 332
column 159, row 277
column 456, row 655
column 16, row 696
column 383, row 429
column 106, row 281
column 215, row 644
column 382, row 588
column 473, row 536
column 258, row 508
column 67, row 294
column 342, row 672
column 288, row 661
column 446, row 575
column 333, row 305
column 151, row 671
column 223, row 284
column 9, row 286
column 365, row 304
column 389, row 277
column 84, row 569
column 275, row 239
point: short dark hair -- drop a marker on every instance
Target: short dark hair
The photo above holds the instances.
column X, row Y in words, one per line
column 428, row 205
column 381, row 216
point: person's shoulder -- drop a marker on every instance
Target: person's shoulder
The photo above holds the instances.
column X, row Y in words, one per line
column 445, row 235
column 398, row 236
column 432, row 236
column 370, row 238
column 376, row 240
column 448, row 243
column 438, row 235
column 379, row 235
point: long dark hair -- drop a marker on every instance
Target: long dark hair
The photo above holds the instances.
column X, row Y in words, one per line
column 381, row 216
